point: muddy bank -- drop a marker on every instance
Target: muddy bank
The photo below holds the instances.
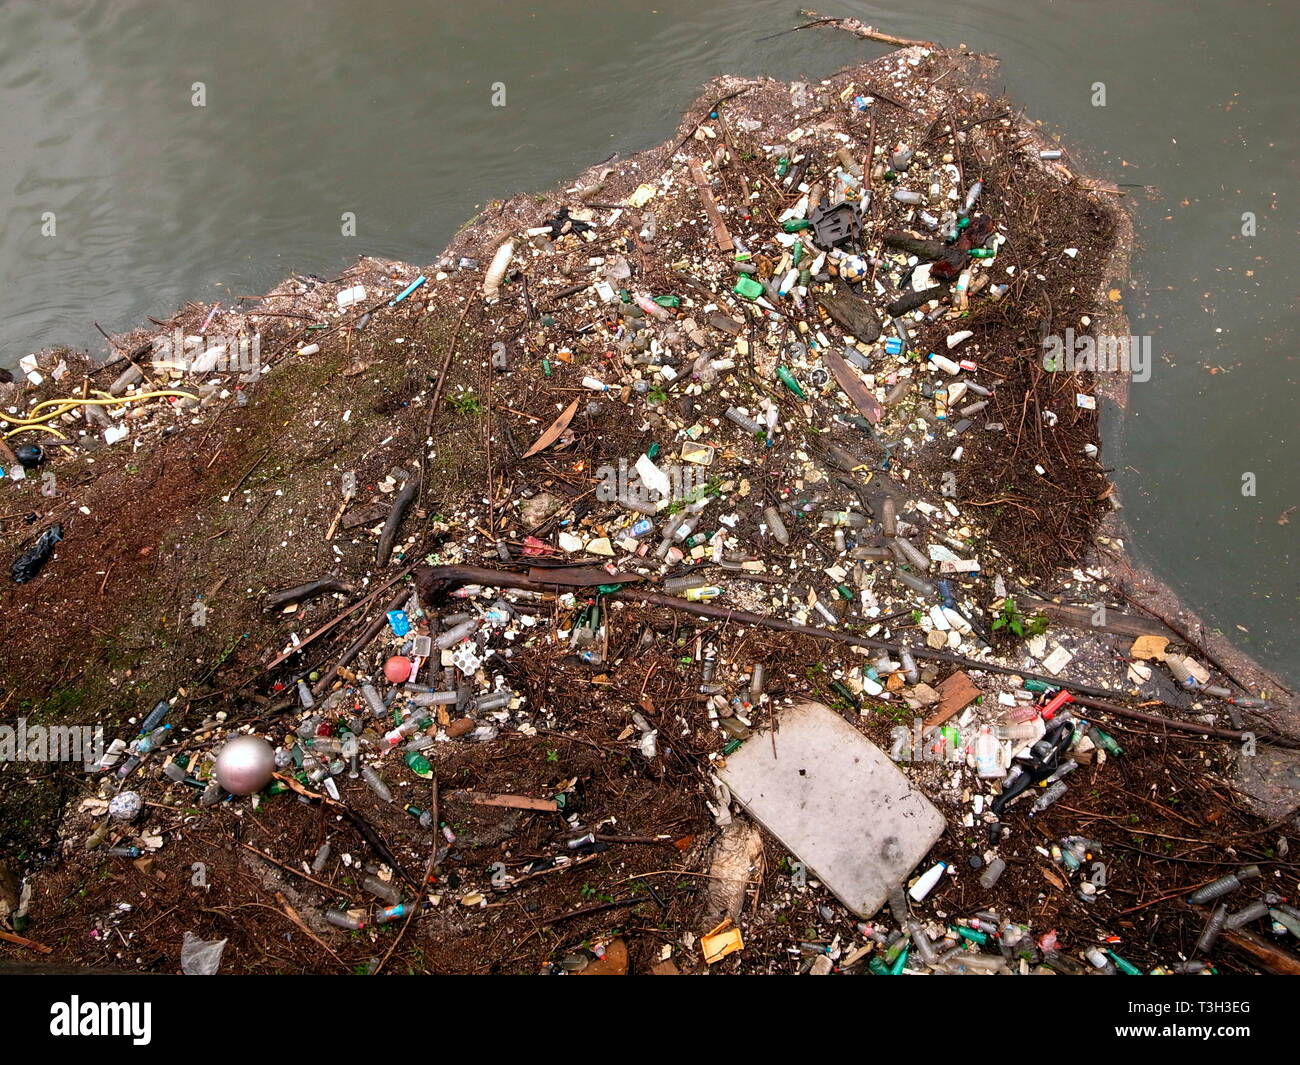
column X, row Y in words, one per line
column 508, row 408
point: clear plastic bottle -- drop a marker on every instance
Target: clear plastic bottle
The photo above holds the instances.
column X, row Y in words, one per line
column 455, row 634
column 446, row 698
column 376, row 783
column 988, row 755
column 992, row 873
column 913, row 555
column 373, row 700
column 1048, row 797
column 910, row 671
column 386, row 890
column 493, row 700
column 914, row 582
column 343, row 919
column 157, row 738
column 888, row 516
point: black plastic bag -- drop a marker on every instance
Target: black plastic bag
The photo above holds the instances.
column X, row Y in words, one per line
column 29, row 563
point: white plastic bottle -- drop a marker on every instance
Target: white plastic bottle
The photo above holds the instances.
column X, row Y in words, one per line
column 925, row 883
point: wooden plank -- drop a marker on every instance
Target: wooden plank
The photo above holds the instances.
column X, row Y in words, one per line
column 720, row 233
column 853, row 386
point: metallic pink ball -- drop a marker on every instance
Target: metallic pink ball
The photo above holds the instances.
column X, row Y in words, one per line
column 245, row 765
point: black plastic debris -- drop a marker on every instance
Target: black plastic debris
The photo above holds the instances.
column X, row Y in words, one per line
column 834, row 225
column 29, row 563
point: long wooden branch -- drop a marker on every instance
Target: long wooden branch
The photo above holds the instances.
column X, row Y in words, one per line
column 434, row 581
column 860, row 29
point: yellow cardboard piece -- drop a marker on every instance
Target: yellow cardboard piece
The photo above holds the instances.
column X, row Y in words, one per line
column 723, row 940
column 1149, row 647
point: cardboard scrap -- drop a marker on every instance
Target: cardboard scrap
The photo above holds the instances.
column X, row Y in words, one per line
column 1149, row 647
column 614, row 963
column 723, row 940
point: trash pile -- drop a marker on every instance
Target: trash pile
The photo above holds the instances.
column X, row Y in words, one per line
column 782, row 552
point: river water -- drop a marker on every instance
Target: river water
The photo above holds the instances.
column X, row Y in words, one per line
column 384, row 111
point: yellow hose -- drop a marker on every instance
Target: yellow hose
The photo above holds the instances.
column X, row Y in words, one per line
column 62, row 406
column 35, row 429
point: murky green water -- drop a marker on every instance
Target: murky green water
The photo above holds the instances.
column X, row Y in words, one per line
column 385, row 110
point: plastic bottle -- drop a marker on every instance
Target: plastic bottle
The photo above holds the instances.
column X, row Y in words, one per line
column 155, row 716
column 1048, row 797
column 1287, row 918
column 343, row 919
column 742, row 419
column 910, row 671
column 417, row 722
column 898, row 393
column 922, row 942
column 382, row 889
column 1212, row 929
column 154, row 740
column 493, row 700
column 1223, row 885
column 455, row 634
column 446, row 698
column 992, row 873
column 898, row 905
column 988, row 754
column 376, row 784
column 322, row 856
column 944, row 363
column 1253, row 912
column 926, row 882
column 912, row 554
column 888, row 517
column 373, row 700
column 914, row 582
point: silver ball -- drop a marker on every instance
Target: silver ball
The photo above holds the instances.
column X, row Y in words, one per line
column 245, row 765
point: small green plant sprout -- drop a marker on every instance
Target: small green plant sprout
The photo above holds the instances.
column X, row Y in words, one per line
column 1013, row 621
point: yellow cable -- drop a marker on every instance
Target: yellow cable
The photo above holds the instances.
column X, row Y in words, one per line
column 62, row 406
column 35, row 428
